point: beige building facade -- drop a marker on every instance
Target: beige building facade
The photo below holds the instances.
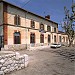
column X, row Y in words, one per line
column 21, row 29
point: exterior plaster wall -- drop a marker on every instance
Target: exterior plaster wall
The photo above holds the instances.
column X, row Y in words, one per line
column 11, row 31
column 26, row 18
column 59, row 38
column 1, row 13
column 25, row 27
column 1, row 30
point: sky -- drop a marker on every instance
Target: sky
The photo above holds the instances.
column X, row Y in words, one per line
column 54, row 8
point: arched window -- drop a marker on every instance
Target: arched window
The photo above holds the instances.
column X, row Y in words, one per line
column 42, row 38
column 32, row 38
column 17, row 38
column 41, row 26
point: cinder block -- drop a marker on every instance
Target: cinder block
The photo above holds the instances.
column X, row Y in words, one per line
column 26, row 64
column 1, row 73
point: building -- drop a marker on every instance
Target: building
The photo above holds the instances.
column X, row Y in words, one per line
column 20, row 29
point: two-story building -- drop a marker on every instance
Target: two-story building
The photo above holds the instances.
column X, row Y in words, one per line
column 20, row 29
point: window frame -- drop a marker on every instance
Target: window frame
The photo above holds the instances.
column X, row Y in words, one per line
column 54, row 29
column 48, row 28
column 60, row 38
column 49, row 38
column 17, row 20
column 32, row 38
column 41, row 38
column 32, row 24
column 54, row 38
column 42, row 26
column 17, row 38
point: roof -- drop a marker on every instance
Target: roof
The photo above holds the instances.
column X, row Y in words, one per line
column 61, row 32
column 28, row 11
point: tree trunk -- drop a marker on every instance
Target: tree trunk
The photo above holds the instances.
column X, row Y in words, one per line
column 70, row 43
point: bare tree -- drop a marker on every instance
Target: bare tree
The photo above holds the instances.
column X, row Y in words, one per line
column 68, row 26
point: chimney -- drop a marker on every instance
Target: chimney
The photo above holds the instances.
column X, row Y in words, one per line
column 47, row 17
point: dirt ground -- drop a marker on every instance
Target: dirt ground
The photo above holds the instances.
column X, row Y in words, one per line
column 49, row 61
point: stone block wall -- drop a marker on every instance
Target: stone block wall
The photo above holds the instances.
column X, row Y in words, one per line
column 11, row 62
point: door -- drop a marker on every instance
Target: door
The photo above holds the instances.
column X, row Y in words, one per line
column 1, row 42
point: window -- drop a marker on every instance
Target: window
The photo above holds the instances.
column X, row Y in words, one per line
column 32, row 24
column 48, row 28
column 17, row 20
column 17, row 38
column 54, row 38
column 32, row 38
column 59, row 38
column 41, row 26
column 66, row 39
column 63, row 39
column 54, row 29
column 48, row 38
column 42, row 38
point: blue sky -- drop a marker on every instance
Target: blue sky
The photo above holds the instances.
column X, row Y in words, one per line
column 54, row 8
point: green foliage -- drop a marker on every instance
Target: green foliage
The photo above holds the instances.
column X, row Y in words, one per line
column 68, row 26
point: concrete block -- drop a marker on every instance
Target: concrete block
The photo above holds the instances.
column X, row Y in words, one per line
column 26, row 57
column 17, row 54
column 26, row 64
column 2, row 61
column 6, row 70
column 22, row 66
column 1, row 73
column 0, row 65
column 3, row 68
column 8, row 66
column 12, row 68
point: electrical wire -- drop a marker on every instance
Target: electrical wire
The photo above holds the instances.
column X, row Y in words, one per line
column 20, row 7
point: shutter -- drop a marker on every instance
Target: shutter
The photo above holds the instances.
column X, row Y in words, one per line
column 15, row 20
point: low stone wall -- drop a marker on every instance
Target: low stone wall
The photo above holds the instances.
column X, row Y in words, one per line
column 22, row 46
column 11, row 62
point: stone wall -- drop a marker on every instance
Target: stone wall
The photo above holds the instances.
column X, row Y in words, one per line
column 11, row 62
column 22, row 46
column 14, row 47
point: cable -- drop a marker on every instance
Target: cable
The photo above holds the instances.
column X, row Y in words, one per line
column 20, row 7
column 26, row 3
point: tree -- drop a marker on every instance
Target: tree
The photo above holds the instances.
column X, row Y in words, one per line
column 68, row 25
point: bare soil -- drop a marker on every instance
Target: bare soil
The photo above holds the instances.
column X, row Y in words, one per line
column 48, row 61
